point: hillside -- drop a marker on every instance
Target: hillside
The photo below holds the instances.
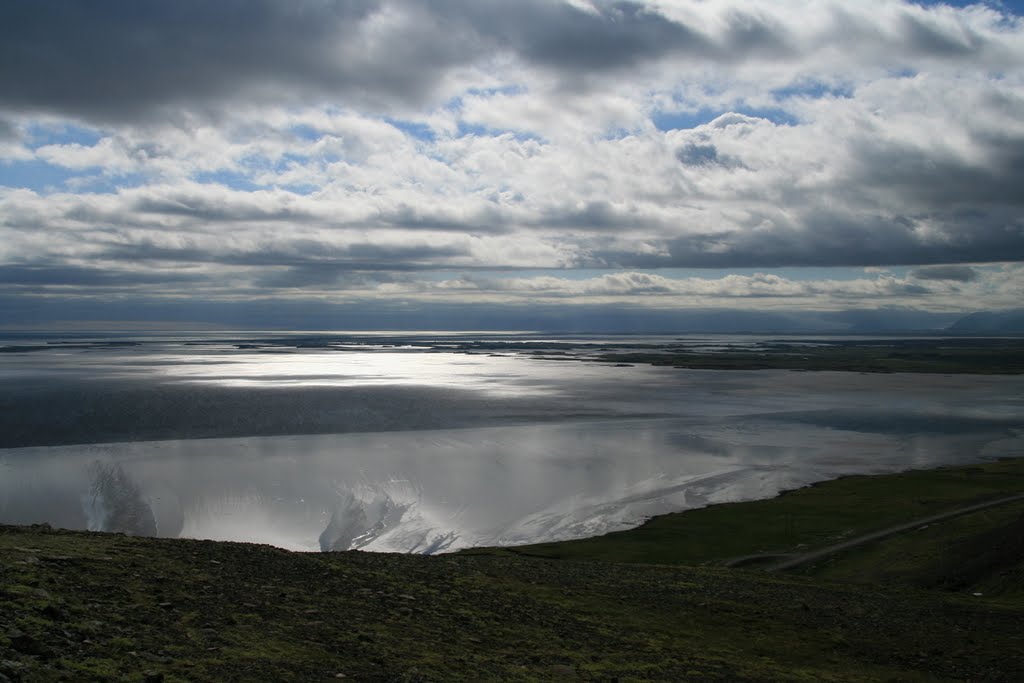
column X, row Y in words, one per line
column 985, row 322
column 78, row 606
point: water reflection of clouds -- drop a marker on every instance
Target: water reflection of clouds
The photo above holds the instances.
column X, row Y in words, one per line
column 443, row 489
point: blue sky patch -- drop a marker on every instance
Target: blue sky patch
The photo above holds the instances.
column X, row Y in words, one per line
column 813, row 91
column 40, row 135
column 470, row 129
column 35, row 175
column 414, row 129
column 232, row 179
column 304, row 132
column 1012, row 6
column 684, row 120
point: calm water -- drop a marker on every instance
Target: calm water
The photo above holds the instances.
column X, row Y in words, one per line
column 404, row 444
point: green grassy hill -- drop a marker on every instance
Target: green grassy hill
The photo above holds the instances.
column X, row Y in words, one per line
column 805, row 519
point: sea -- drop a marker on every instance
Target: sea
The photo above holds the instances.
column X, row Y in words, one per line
column 427, row 442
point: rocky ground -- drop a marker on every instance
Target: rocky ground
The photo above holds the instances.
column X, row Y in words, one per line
column 98, row 607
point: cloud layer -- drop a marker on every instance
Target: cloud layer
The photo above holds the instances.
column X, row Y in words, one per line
column 429, row 151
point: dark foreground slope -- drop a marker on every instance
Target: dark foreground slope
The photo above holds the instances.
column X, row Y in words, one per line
column 78, row 607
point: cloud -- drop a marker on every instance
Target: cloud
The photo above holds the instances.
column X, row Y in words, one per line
column 72, row 276
column 8, row 131
column 377, row 148
column 950, row 273
column 117, row 59
column 756, row 286
column 696, row 154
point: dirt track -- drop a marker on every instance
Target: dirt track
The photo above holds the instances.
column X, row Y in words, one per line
column 793, row 561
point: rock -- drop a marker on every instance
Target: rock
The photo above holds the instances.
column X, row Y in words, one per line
column 156, row 659
column 54, row 612
column 10, row 671
column 26, row 644
column 563, row 671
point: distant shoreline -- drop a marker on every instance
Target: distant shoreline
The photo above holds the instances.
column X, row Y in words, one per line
column 939, row 354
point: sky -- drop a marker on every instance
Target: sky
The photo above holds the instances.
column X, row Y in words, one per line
column 332, row 163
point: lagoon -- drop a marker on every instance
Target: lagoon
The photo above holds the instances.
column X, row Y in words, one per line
column 407, row 444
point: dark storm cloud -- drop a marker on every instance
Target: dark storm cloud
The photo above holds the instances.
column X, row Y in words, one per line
column 915, row 35
column 596, row 216
column 946, row 273
column 115, row 59
column 560, row 36
column 620, row 34
column 926, row 38
column 202, row 208
column 695, row 154
column 943, row 180
column 118, row 59
column 215, row 209
column 831, row 239
column 73, row 276
column 311, row 260
column 7, row 130
column 382, row 315
column 112, row 59
column 430, row 218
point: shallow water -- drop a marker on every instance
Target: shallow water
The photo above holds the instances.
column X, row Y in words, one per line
column 421, row 450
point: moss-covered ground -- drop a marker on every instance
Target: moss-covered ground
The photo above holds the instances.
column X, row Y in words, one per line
column 76, row 606
column 1003, row 356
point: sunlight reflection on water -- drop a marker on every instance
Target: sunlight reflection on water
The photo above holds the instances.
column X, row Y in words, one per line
column 492, row 374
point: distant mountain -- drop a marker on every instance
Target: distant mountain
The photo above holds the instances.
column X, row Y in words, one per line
column 563, row 318
column 620, row 319
column 987, row 322
column 891, row 320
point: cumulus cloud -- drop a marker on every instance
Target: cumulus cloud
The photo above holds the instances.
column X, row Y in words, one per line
column 825, row 293
column 762, row 291
column 356, row 146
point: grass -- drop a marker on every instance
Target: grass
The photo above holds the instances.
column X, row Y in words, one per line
column 76, row 606
column 976, row 554
column 797, row 521
column 943, row 356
